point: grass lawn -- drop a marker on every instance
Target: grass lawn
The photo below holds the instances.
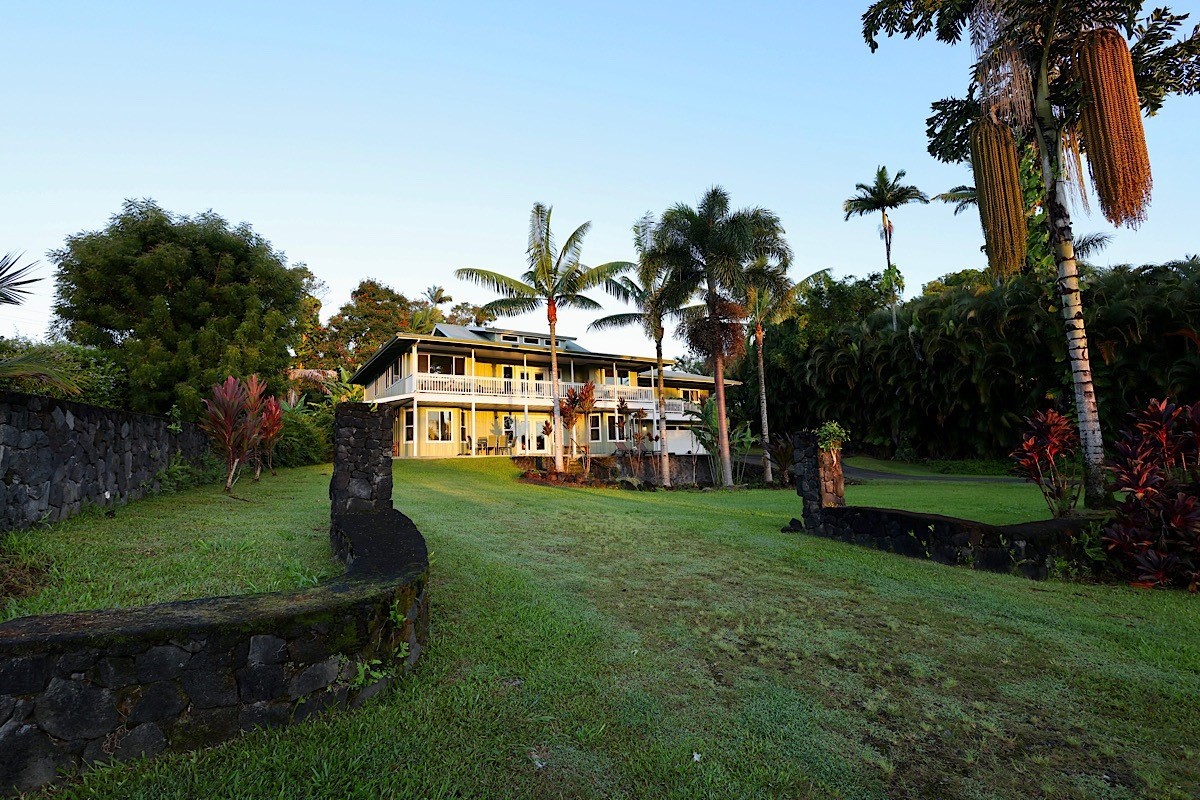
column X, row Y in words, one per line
column 626, row 645
column 196, row 543
column 968, row 467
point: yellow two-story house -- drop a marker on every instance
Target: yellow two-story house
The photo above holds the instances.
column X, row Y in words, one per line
column 475, row 391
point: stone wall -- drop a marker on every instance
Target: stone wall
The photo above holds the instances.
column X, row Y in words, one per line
column 1030, row 549
column 57, row 457
column 94, row 686
column 362, row 459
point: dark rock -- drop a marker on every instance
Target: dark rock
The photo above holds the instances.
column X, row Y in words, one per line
column 369, row 691
column 317, row 702
column 28, row 758
column 267, row 650
column 158, row 701
column 161, row 663
column 263, row 715
column 8, row 704
column 116, row 672
column 261, row 682
column 210, row 688
column 76, row 710
column 318, row 676
column 25, row 674
column 79, row 661
column 143, row 741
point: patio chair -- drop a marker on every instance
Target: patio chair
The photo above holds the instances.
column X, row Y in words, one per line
column 482, row 444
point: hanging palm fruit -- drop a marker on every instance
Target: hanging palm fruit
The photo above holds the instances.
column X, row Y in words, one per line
column 1001, row 203
column 1111, row 125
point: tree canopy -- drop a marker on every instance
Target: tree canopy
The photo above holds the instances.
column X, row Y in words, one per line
column 179, row 302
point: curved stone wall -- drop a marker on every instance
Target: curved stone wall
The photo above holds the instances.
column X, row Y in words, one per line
column 118, row 684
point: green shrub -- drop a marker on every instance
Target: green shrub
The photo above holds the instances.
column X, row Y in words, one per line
column 305, row 440
column 100, row 379
column 180, row 475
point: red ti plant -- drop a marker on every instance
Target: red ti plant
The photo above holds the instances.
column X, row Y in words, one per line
column 576, row 404
column 256, row 390
column 228, row 426
column 1045, row 456
column 1156, row 533
column 270, row 428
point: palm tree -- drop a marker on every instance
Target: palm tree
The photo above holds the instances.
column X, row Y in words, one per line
column 886, row 194
column 646, row 291
column 437, row 296
column 555, row 279
column 770, row 299
column 706, row 251
column 35, row 363
column 963, row 197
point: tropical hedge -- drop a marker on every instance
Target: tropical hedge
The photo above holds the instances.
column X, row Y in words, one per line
column 971, row 359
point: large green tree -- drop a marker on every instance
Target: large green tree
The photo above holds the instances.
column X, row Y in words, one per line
column 555, row 279
column 707, row 251
column 1024, row 75
column 887, row 193
column 180, row 302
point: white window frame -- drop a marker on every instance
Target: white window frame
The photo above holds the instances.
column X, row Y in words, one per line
column 594, row 427
column 445, row 424
column 410, row 421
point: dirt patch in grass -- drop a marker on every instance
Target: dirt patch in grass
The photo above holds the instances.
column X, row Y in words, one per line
column 18, row 577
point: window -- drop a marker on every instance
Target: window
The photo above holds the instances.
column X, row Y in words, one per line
column 409, row 435
column 509, row 338
column 594, row 428
column 614, row 377
column 616, row 428
column 532, row 340
column 441, row 365
column 437, row 426
column 510, row 428
column 462, row 427
column 692, row 395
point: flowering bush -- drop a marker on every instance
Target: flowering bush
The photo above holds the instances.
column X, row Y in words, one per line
column 1156, row 533
column 1045, row 456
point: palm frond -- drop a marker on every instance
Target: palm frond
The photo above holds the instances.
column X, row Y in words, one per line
column 618, row 321
column 38, row 364
column 513, row 306
column 14, row 279
column 509, row 287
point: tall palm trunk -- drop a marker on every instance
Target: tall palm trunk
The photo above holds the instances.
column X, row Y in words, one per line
column 718, row 360
column 664, row 458
column 887, row 249
column 768, row 475
column 1062, row 240
column 552, row 317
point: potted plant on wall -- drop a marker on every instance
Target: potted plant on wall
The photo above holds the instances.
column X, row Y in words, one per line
column 830, row 438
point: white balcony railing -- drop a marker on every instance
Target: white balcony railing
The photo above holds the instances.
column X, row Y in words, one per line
column 516, row 389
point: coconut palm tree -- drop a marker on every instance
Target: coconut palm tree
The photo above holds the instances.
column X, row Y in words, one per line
column 555, row 279
column 884, row 195
column 35, row 363
column 646, row 290
column 706, row 251
column 963, row 197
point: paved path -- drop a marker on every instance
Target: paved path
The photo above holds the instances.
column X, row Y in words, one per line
column 857, row 474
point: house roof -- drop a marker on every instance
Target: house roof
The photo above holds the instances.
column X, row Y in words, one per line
column 684, row 377
column 477, row 338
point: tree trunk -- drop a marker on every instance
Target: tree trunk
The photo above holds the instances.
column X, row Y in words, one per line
column 887, row 249
column 664, row 458
column 1062, row 240
column 718, row 362
column 552, row 316
column 768, row 475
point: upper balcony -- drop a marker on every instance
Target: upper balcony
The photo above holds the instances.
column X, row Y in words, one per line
column 427, row 387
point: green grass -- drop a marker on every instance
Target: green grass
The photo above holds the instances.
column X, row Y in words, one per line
column 196, row 543
column 588, row 643
column 967, row 467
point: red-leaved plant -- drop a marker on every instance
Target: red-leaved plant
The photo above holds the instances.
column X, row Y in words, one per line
column 234, row 421
column 1156, row 533
column 1045, row 457
column 270, row 428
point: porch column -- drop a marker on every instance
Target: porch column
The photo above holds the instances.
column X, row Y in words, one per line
column 416, row 442
column 474, row 438
column 529, row 440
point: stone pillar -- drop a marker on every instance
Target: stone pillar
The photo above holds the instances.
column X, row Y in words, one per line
column 362, row 459
column 808, row 477
column 833, row 483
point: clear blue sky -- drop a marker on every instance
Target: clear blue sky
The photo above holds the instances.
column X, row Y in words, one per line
column 399, row 141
